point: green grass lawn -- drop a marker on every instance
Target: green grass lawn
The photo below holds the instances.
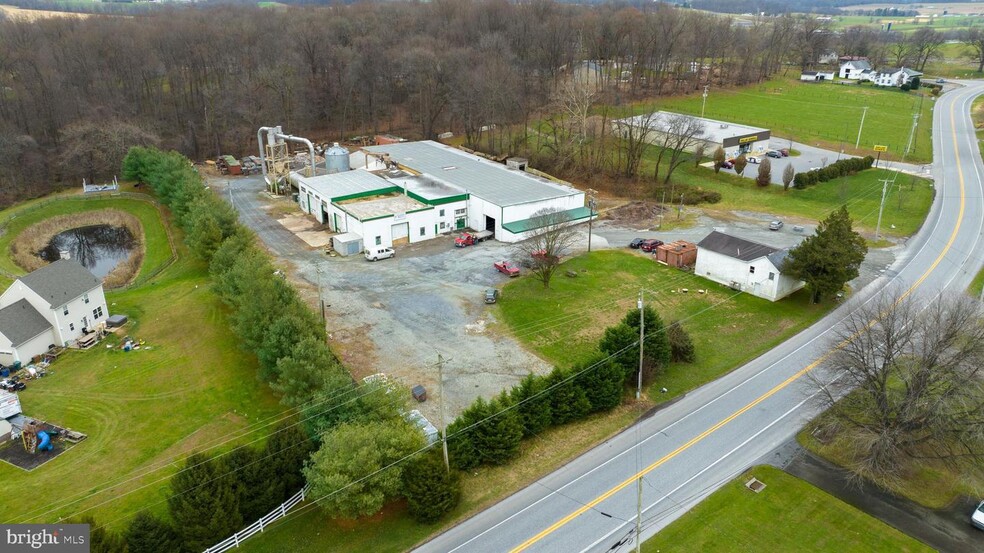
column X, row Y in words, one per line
column 823, row 114
column 788, row 515
column 564, row 323
column 141, row 410
column 977, row 285
column 861, row 193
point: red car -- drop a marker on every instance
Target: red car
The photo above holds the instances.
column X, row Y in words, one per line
column 506, row 268
column 650, row 245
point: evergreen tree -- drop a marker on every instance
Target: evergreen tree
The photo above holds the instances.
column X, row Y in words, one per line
column 101, row 540
column 681, row 345
column 534, row 410
column 280, row 338
column 431, row 490
column 356, row 470
column 740, row 163
column 830, row 258
column 620, row 340
column 764, row 177
column 149, row 534
column 203, row 505
column 285, row 453
column 256, row 492
column 602, row 383
column 462, row 450
column 498, row 436
column 656, row 354
column 568, row 402
column 719, row 159
column 302, row 373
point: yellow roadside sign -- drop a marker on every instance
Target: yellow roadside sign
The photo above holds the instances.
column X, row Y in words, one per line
column 880, row 148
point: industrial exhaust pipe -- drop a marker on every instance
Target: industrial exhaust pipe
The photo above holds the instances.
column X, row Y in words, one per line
column 274, row 134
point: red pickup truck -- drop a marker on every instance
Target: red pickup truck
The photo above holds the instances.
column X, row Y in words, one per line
column 468, row 239
column 506, row 268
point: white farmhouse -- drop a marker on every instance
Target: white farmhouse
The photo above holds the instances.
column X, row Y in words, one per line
column 854, row 69
column 745, row 265
column 896, row 76
column 55, row 305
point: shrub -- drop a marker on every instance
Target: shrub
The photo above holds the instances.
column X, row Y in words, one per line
column 681, row 345
column 431, row 490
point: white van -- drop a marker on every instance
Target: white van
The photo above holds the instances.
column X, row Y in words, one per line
column 376, row 253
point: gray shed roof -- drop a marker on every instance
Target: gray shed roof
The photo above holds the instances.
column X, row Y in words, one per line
column 486, row 179
column 20, row 322
column 735, row 247
column 61, row 282
column 778, row 258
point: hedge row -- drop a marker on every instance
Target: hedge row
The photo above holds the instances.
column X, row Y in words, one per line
column 837, row 169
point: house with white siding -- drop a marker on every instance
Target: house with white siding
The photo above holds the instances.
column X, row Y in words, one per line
column 54, row 305
column 854, row 70
column 745, row 265
column 895, row 76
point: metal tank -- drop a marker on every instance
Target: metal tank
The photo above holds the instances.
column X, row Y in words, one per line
column 336, row 159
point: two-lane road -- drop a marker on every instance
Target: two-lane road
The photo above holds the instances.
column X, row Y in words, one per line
column 687, row 450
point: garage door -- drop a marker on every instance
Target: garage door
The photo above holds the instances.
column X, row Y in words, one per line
column 401, row 233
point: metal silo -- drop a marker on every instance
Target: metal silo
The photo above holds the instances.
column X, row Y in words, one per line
column 336, row 159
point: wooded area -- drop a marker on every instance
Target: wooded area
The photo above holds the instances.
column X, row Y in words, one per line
column 201, row 81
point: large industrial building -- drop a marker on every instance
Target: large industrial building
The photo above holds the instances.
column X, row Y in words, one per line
column 414, row 191
column 733, row 138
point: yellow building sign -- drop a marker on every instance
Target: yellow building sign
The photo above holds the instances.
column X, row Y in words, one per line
column 880, row 148
column 748, row 139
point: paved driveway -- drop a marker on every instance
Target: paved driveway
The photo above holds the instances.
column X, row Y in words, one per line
column 812, row 157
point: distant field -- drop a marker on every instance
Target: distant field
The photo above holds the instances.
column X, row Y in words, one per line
column 31, row 15
column 824, row 114
column 788, row 515
column 937, row 8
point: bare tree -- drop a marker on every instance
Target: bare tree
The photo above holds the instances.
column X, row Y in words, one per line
column 904, row 382
column 719, row 159
column 550, row 238
column 900, row 52
column 926, row 44
column 679, row 133
column 635, row 134
column 699, row 151
column 974, row 38
column 788, row 174
column 764, row 177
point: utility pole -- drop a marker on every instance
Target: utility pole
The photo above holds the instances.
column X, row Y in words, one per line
column 444, row 422
column 680, row 209
column 912, row 133
column 642, row 330
column 662, row 209
column 704, row 102
column 321, row 299
column 592, row 204
column 865, row 112
column 229, row 186
column 882, row 206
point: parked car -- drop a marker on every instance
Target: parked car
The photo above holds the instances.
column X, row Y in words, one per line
column 636, row 242
column 774, row 153
column 375, row 253
column 506, row 268
column 775, row 225
column 977, row 519
column 940, row 81
column 491, row 295
column 728, row 164
column 752, row 159
column 650, row 245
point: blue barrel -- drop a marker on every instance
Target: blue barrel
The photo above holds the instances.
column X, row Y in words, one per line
column 5, row 372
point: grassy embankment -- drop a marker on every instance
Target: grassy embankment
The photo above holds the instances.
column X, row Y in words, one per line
column 827, row 115
column 144, row 410
column 788, row 515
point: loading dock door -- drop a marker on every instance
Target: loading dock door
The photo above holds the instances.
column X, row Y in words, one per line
column 401, row 233
column 490, row 225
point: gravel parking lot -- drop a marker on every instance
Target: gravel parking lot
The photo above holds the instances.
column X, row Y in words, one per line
column 395, row 316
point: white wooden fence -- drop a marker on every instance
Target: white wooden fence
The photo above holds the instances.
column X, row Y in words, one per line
column 258, row 526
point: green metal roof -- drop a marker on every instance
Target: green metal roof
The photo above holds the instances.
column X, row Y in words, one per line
column 526, row 225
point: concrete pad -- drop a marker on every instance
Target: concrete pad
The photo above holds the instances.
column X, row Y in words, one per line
column 307, row 230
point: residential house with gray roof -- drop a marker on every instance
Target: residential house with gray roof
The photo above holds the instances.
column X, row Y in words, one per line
column 745, row 265
column 54, row 305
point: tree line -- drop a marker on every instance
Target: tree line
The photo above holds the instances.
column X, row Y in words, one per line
column 75, row 94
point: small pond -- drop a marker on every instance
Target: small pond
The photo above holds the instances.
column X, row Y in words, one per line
column 99, row 248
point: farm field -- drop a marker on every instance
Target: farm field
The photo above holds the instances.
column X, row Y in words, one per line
column 31, row 15
column 824, row 114
column 145, row 410
column 788, row 515
column 564, row 323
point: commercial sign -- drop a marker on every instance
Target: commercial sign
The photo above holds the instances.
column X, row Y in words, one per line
column 747, row 139
column 54, row 538
column 880, row 148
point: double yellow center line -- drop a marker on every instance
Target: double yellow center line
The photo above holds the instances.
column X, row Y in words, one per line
column 696, row 439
